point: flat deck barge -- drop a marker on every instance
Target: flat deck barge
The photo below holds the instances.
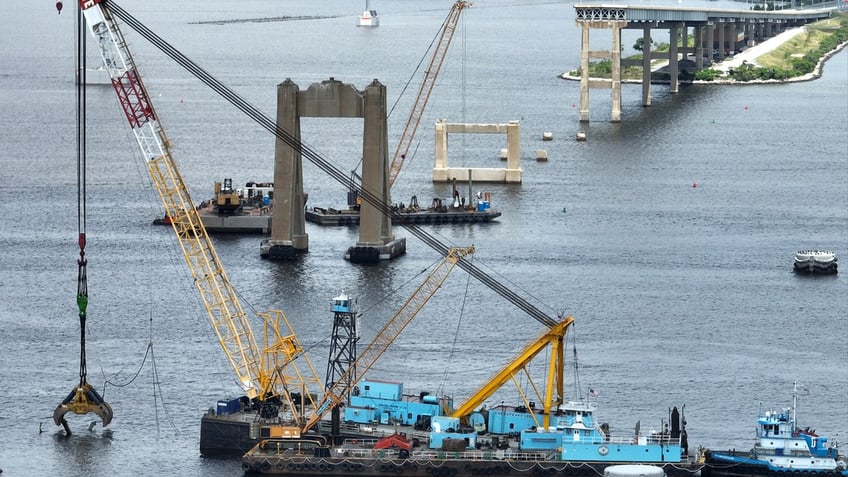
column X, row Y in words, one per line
column 353, row 460
column 335, row 217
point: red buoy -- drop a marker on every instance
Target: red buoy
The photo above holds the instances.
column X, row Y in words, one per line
column 59, row 7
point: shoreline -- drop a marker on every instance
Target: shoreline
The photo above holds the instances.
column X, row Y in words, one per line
column 744, row 56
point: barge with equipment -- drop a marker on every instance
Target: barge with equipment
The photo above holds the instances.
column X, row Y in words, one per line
column 244, row 210
column 576, row 445
column 453, row 211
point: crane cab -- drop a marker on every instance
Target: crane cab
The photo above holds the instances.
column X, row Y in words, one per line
column 342, row 304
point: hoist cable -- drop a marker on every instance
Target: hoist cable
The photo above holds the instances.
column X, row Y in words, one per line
column 82, row 278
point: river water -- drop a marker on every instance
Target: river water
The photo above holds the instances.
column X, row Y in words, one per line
column 668, row 236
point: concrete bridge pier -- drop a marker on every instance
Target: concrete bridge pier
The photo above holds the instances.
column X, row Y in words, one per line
column 646, row 66
column 288, row 229
column 751, row 34
column 673, row 35
column 614, row 55
column 699, row 46
column 332, row 98
column 376, row 241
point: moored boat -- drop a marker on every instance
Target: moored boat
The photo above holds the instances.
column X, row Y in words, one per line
column 235, row 210
column 369, row 17
column 440, row 211
column 815, row 261
column 781, row 448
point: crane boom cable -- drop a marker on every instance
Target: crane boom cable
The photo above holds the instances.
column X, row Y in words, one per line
column 82, row 276
column 83, row 399
column 323, row 164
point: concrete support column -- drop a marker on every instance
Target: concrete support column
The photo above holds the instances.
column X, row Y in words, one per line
column 441, row 146
column 513, row 153
column 710, row 41
column 615, row 59
column 375, row 227
column 584, row 73
column 288, row 227
column 699, row 47
column 722, row 40
column 646, row 66
column 673, row 36
column 750, row 34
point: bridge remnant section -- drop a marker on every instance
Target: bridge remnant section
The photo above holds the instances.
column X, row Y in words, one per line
column 715, row 30
column 511, row 174
column 332, row 99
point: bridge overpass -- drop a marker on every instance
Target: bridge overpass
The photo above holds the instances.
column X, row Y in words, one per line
column 719, row 30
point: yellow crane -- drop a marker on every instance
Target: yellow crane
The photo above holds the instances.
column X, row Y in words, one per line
column 269, row 371
column 444, row 41
column 336, row 394
column 554, row 378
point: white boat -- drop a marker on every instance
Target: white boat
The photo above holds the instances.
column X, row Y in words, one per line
column 815, row 261
column 369, row 17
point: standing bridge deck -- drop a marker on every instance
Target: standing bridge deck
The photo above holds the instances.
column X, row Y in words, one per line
column 718, row 32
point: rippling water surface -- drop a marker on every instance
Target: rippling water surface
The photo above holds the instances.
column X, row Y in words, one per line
column 669, row 236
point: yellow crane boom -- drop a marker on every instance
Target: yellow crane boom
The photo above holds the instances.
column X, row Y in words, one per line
column 554, row 378
column 258, row 371
column 335, row 395
column 445, row 37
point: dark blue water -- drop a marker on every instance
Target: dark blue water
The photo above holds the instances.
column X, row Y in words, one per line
column 681, row 294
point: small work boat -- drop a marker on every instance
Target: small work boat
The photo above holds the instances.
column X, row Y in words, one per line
column 815, row 261
column 369, row 17
column 781, row 448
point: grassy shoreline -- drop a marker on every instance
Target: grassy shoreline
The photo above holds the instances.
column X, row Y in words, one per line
column 799, row 59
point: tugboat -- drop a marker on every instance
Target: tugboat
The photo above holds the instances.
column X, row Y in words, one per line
column 815, row 261
column 780, row 449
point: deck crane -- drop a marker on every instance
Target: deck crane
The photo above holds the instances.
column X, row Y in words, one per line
column 554, row 380
column 263, row 373
column 445, row 37
column 338, row 392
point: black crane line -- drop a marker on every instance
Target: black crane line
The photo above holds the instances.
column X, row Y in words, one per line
column 82, row 275
column 330, row 169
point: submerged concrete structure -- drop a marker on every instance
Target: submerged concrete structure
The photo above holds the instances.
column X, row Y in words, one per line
column 333, row 99
column 511, row 174
column 717, row 32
